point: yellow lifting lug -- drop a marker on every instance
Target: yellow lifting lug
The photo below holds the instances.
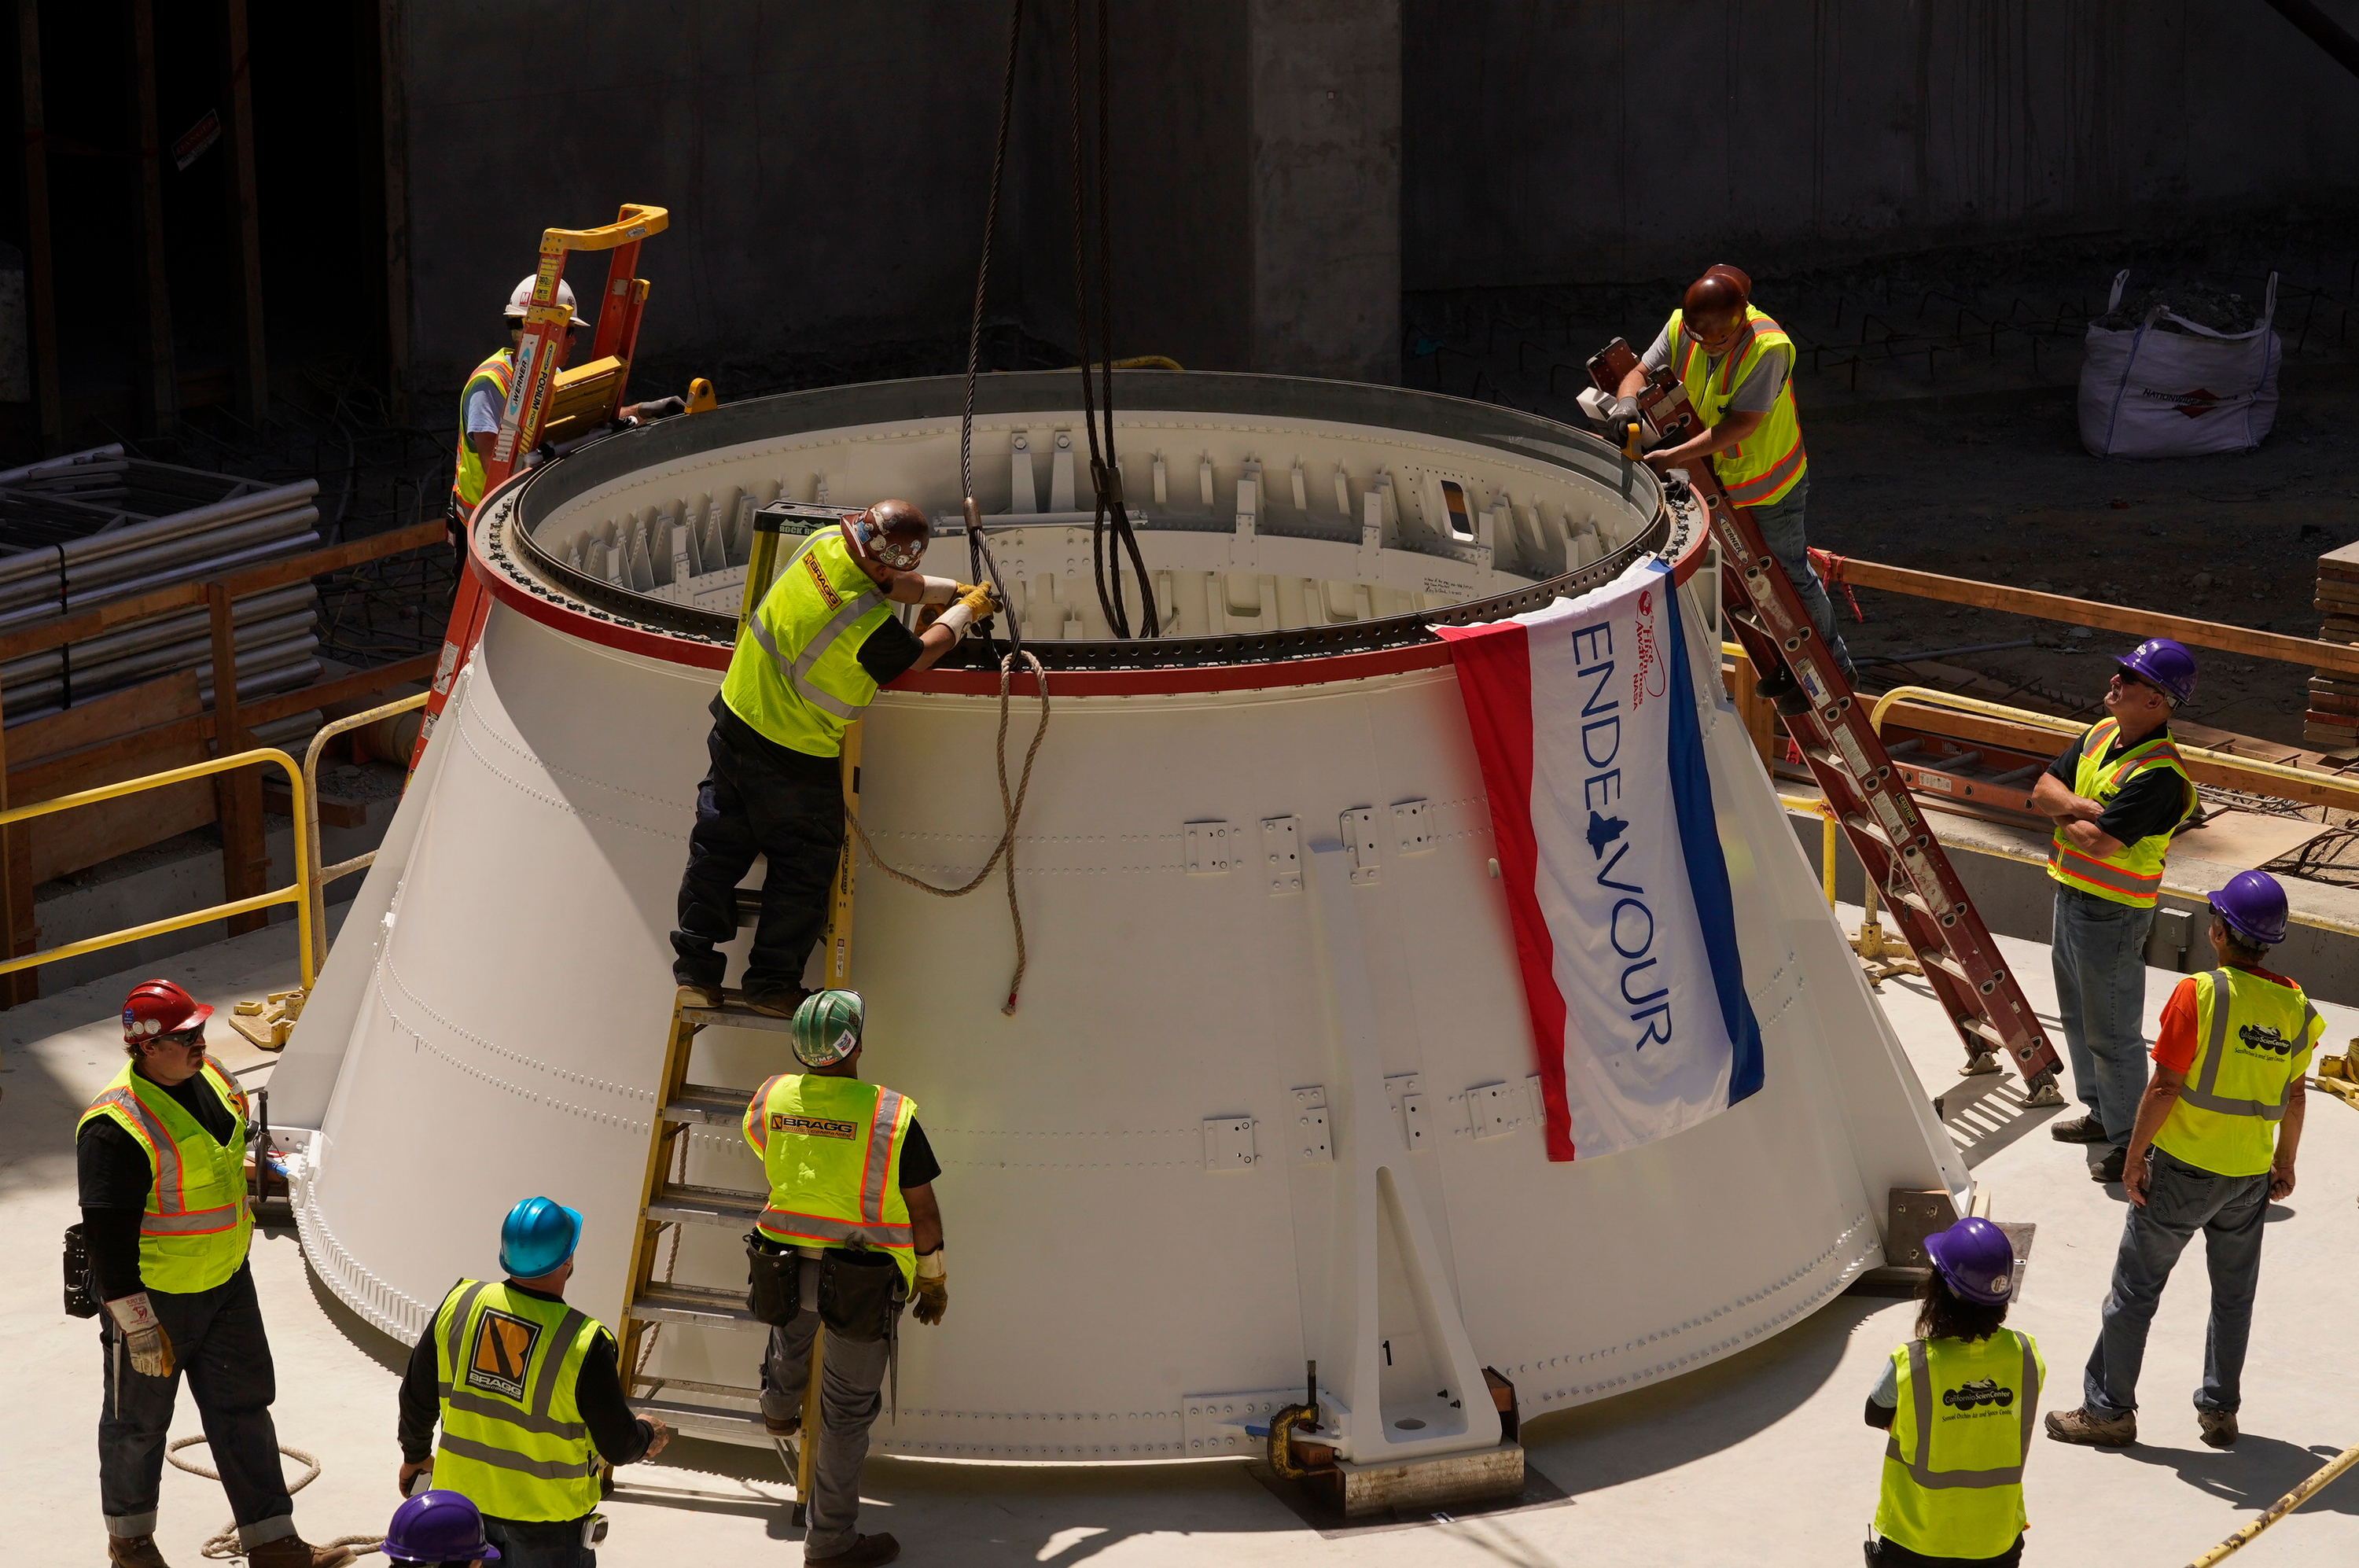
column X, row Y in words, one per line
column 1630, row 440
column 701, row 398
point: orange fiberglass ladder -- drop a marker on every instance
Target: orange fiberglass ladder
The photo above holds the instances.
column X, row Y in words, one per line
column 545, row 403
column 1830, row 727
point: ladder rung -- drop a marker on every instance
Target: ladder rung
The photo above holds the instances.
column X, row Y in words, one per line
column 714, row 1105
column 1903, row 749
column 1905, row 897
column 1979, row 1026
column 1867, row 827
column 1941, row 961
column 1825, row 757
column 706, row 1205
column 718, row 1421
column 734, row 1013
column 658, row 1386
column 1750, row 618
column 698, row 1304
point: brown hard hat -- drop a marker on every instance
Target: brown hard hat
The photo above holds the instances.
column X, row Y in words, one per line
column 898, row 532
column 1722, row 291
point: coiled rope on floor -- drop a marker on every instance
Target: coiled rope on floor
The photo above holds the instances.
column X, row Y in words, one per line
column 1011, row 806
column 224, row 1544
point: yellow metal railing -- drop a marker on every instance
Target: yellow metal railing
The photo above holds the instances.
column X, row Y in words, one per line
column 295, row 893
column 323, row 875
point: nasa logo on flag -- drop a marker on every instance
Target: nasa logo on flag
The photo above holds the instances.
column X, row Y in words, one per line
column 503, row 1349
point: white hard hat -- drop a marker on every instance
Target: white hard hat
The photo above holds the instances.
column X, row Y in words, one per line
column 520, row 298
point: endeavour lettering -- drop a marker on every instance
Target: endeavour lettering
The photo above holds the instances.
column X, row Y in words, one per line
column 1630, row 925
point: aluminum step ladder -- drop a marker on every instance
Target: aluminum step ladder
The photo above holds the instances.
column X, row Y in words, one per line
column 1903, row 861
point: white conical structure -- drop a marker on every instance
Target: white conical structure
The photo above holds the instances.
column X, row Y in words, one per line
column 1255, row 1109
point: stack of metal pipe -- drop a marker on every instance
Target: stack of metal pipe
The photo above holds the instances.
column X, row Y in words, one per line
column 98, row 527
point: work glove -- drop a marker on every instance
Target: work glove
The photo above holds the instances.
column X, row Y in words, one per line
column 661, row 408
column 932, row 1299
column 144, row 1339
column 981, row 600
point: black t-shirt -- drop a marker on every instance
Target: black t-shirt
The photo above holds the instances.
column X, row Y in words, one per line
column 888, row 651
column 919, row 1165
column 113, row 1177
column 2148, row 804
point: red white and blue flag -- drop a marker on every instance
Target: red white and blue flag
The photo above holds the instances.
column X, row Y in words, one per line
column 1584, row 718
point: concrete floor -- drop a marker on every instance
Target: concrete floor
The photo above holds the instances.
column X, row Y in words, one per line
column 1761, row 1459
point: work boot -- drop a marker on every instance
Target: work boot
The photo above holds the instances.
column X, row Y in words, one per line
column 294, row 1552
column 2219, row 1427
column 783, row 1426
column 699, row 995
column 2079, row 1129
column 2109, row 1169
column 2093, row 1430
column 778, row 1002
column 134, row 1552
column 864, row 1551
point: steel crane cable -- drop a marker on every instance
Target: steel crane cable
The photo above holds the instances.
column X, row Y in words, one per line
column 1105, row 469
column 978, row 547
column 1011, row 807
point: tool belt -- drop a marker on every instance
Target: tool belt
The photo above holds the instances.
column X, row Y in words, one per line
column 774, row 1280
column 82, row 1289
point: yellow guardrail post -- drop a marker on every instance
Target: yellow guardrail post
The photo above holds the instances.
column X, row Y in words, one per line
column 316, row 895
column 293, row 894
column 1827, row 840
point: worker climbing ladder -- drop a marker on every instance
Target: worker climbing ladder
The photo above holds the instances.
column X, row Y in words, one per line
column 1903, row 861
column 545, row 402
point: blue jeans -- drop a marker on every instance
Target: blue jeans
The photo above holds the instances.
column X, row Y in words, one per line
column 2099, row 953
column 1781, row 529
column 2180, row 1199
column 217, row 1339
column 532, row 1545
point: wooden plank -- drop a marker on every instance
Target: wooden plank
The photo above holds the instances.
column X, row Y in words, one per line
column 19, row 934
column 156, row 382
column 252, row 369
column 40, row 780
column 245, row 855
column 340, row 689
column 91, row 835
column 102, row 719
column 335, row 558
column 40, row 265
column 2251, row 644
column 2329, row 789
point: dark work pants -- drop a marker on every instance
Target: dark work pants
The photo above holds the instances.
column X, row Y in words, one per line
column 849, row 1382
column 1882, row 1553
column 529, row 1544
column 217, row 1339
column 755, row 802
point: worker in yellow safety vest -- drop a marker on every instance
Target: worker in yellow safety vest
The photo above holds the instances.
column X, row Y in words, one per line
column 850, row 1232
column 2116, row 795
column 1959, row 1400
column 1737, row 367
column 529, row 1397
column 2215, row 1144
column 820, row 643
column 161, row 1165
column 484, row 401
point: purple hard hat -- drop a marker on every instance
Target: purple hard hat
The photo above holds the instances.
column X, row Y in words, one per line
column 2254, row 906
column 1976, row 1259
column 438, row 1526
column 2164, row 665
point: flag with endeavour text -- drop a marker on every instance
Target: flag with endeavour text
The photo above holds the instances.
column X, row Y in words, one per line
column 1584, row 718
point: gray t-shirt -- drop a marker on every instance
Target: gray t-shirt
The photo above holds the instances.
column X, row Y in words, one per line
column 1757, row 393
column 484, row 411
column 1886, row 1391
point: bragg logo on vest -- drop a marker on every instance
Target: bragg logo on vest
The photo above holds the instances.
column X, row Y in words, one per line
column 2264, row 1037
column 503, row 1349
column 813, row 1126
column 1967, row 1396
column 819, row 576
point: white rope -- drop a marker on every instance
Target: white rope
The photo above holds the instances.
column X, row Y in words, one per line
column 224, row 1544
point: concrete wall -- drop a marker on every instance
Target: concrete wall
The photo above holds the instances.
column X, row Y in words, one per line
column 1555, row 140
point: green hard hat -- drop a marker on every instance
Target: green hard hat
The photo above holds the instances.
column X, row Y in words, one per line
column 827, row 1027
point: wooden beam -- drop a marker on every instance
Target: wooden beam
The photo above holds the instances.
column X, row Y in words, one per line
column 156, row 379
column 335, row 558
column 2307, row 651
column 245, row 856
column 342, row 690
column 40, row 267
column 18, row 934
column 251, row 367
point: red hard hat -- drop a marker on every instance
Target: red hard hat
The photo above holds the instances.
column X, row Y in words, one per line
column 158, row 1007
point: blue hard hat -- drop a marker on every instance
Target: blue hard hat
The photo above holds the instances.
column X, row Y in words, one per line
column 538, row 1235
column 438, row 1526
column 1974, row 1257
column 2164, row 665
column 2254, row 906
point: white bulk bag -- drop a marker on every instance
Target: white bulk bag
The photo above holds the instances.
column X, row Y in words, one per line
column 2147, row 392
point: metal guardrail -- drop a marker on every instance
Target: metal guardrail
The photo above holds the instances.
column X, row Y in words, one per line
column 322, row 875
column 294, row 893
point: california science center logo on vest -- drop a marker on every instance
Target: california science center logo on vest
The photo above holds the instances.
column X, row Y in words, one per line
column 1629, row 918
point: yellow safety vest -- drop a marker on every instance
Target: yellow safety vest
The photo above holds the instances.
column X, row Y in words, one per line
column 1953, row 1469
column 513, row 1439
column 796, row 675
column 2134, row 877
column 832, row 1147
column 2253, row 1046
column 193, row 1233
column 495, row 374
column 1762, row 467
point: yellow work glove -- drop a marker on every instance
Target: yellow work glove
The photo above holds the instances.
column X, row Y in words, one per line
column 932, row 1299
column 148, row 1347
column 981, row 599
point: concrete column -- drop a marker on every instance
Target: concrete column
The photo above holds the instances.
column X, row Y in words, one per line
column 1324, row 176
